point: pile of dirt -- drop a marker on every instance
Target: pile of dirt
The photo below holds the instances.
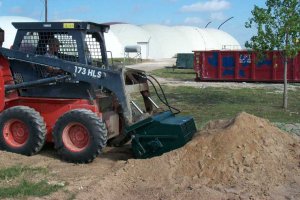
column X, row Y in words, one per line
column 245, row 157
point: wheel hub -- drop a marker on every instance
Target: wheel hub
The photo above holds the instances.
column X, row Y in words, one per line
column 75, row 137
column 15, row 133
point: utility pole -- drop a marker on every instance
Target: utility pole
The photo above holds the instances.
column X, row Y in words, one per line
column 46, row 10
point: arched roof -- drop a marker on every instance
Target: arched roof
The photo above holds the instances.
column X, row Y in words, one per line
column 207, row 39
column 224, row 40
column 192, row 36
column 129, row 34
column 210, row 42
column 165, row 41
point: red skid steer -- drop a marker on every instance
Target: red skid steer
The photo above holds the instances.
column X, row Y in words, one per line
column 57, row 86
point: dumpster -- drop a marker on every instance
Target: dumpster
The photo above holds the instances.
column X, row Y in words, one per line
column 244, row 66
column 185, row 60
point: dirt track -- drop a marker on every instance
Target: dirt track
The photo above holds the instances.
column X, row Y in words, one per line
column 242, row 158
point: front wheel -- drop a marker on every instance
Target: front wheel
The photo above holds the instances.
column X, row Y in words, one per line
column 79, row 136
column 23, row 130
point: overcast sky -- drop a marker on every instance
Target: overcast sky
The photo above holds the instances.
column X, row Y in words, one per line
column 139, row 12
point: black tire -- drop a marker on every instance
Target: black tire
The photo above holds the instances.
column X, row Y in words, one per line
column 79, row 136
column 23, row 130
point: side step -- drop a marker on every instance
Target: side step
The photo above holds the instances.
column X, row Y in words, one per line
column 161, row 133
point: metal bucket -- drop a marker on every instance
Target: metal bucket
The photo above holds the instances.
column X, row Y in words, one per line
column 161, row 133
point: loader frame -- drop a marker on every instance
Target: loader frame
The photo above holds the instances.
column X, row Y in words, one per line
column 81, row 100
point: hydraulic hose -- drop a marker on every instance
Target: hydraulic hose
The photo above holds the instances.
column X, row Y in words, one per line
column 164, row 100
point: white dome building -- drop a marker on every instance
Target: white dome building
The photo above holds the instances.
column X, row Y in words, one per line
column 158, row 41
column 9, row 29
column 155, row 41
column 192, row 36
column 165, row 41
column 131, row 35
column 224, row 40
column 113, row 45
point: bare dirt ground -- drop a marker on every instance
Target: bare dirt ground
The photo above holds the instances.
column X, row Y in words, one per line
column 242, row 158
column 154, row 64
column 278, row 87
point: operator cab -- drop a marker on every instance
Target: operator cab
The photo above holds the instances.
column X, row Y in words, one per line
column 79, row 42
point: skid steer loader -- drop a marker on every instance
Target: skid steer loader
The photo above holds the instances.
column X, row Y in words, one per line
column 78, row 101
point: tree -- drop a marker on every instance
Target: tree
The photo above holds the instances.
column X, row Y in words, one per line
column 278, row 28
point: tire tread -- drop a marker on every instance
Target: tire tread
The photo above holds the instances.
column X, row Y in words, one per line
column 36, row 121
column 98, row 127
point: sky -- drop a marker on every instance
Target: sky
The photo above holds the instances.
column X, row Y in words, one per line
column 139, row 12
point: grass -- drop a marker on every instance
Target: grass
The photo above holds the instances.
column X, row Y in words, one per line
column 179, row 74
column 26, row 188
column 122, row 61
column 219, row 103
column 16, row 182
column 16, row 171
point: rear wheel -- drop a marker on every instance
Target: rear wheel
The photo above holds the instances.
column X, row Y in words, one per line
column 79, row 136
column 22, row 130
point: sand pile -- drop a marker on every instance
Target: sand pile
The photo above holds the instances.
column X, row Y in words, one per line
column 245, row 157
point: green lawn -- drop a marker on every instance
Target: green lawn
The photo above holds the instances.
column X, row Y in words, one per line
column 127, row 61
column 219, row 103
column 22, row 181
column 179, row 74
